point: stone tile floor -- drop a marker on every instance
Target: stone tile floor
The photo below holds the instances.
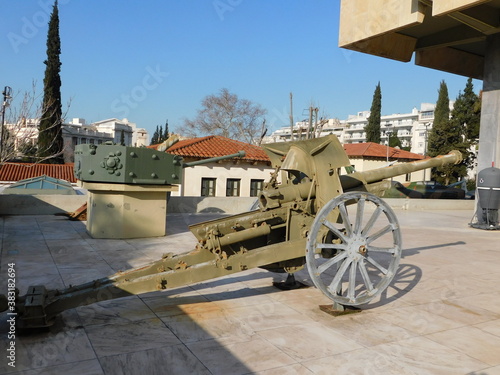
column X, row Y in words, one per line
column 441, row 314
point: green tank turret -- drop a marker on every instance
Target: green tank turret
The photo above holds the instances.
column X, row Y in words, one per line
column 110, row 163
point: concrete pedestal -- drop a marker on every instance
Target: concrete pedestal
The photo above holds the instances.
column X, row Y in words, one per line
column 127, row 211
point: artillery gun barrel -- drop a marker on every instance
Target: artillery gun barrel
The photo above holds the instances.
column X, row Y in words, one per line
column 352, row 180
column 239, row 154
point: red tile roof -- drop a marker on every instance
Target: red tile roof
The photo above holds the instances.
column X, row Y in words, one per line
column 375, row 150
column 21, row 171
column 215, row 145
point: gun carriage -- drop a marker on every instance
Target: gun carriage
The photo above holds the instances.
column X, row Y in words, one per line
column 311, row 213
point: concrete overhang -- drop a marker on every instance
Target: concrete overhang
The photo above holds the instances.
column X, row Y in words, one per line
column 448, row 35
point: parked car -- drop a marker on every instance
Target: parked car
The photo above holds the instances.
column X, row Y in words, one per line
column 424, row 190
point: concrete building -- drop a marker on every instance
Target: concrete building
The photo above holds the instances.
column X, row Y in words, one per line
column 403, row 125
column 74, row 133
column 325, row 127
column 77, row 131
column 25, row 132
column 411, row 128
column 245, row 177
column 115, row 128
column 456, row 36
column 242, row 177
column 369, row 155
column 133, row 136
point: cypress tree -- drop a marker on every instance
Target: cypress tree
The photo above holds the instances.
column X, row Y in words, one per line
column 166, row 134
column 50, row 141
column 439, row 134
column 468, row 112
column 154, row 138
column 372, row 128
column 160, row 135
column 394, row 141
column 464, row 127
column 449, row 133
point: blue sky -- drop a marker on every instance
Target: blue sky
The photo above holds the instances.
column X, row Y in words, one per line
column 155, row 60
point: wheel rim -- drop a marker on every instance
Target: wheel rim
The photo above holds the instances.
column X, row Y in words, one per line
column 353, row 248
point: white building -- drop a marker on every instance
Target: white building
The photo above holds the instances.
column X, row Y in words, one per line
column 241, row 177
column 411, row 128
column 133, row 136
column 324, row 128
column 116, row 129
column 77, row 131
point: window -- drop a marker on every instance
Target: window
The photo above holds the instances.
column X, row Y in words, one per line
column 426, row 114
column 208, row 187
column 233, row 187
column 256, row 187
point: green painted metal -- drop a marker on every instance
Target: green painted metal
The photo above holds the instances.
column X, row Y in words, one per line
column 307, row 177
column 238, row 154
column 132, row 165
column 126, row 165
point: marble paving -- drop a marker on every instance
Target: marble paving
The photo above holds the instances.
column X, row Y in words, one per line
column 441, row 314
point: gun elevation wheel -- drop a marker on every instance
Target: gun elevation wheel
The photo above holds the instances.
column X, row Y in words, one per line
column 353, row 248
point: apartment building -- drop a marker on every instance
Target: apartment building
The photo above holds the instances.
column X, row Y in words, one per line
column 411, row 128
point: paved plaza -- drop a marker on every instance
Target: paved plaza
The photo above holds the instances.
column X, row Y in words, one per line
column 441, row 314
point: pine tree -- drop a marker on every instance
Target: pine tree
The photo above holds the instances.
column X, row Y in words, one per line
column 438, row 136
column 160, row 135
column 394, row 141
column 441, row 137
column 464, row 123
column 50, row 141
column 166, row 134
column 155, row 137
column 372, row 129
column 450, row 133
column 469, row 112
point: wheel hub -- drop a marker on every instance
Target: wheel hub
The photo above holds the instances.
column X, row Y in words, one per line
column 357, row 247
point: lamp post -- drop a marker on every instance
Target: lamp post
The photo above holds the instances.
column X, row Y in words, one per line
column 425, row 142
column 7, row 96
column 388, row 133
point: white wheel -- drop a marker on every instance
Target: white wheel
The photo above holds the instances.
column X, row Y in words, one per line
column 353, row 248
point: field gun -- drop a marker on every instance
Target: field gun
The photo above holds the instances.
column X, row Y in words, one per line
column 310, row 215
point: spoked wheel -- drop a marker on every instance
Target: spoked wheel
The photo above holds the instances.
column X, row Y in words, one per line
column 354, row 247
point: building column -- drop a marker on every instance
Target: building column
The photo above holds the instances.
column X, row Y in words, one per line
column 489, row 135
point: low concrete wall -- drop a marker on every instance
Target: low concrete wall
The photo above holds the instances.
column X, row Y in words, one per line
column 229, row 205
column 14, row 204
column 431, row 204
column 236, row 205
column 56, row 204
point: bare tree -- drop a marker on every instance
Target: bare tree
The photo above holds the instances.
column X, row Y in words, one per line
column 227, row 115
column 21, row 129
